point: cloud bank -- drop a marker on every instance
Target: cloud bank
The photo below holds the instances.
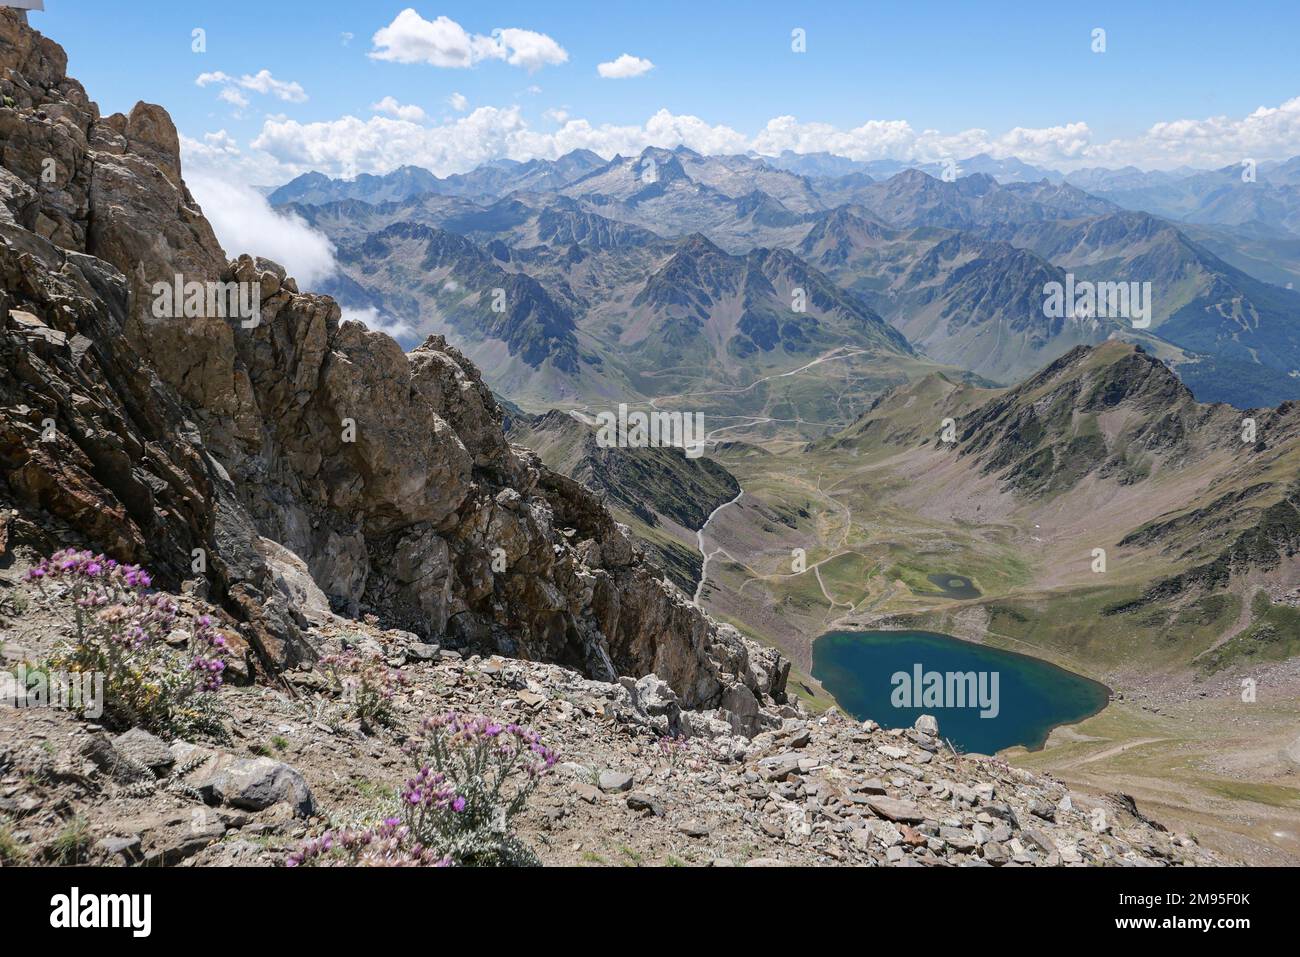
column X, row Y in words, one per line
column 245, row 223
column 349, row 145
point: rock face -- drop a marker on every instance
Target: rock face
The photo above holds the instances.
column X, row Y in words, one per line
column 237, row 455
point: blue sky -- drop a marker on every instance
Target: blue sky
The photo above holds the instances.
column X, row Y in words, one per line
column 945, row 67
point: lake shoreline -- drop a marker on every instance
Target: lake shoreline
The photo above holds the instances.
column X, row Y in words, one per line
column 1085, row 696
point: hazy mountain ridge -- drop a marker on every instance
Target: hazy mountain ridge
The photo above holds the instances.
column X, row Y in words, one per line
column 1229, row 196
column 976, row 301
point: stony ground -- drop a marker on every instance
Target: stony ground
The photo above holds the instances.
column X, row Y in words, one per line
column 818, row 791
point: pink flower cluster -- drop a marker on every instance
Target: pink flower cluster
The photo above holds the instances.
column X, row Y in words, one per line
column 429, row 789
column 388, row 845
column 78, row 564
column 209, row 647
column 117, row 615
column 473, row 776
column 110, row 598
column 456, row 732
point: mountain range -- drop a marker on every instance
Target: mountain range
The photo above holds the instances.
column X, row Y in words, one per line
column 957, row 264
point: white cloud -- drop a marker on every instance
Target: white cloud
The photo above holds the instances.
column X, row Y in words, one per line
column 445, row 43
column 232, row 96
column 873, row 140
column 261, row 82
column 376, row 321
column 221, row 142
column 458, row 102
column 442, row 42
column 624, row 66
column 391, row 107
column 245, row 223
column 348, row 145
column 1265, row 133
column 530, row 50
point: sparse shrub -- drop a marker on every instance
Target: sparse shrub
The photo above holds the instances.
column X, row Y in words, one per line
column 72, row 844
column 473, row 776
column 11, row 853
column 674, row 748
column 13, row 604
column 367, row 684
column 682, row 752
column 118, row 631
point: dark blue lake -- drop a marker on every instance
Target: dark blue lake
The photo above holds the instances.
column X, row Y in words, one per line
column 893, row 677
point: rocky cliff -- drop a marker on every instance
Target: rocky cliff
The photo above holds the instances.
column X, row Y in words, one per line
column 278, row 462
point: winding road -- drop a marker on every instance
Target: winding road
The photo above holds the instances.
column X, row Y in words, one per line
column 699, row 538
column 706, row 555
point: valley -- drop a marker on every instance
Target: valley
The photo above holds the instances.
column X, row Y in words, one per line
column 858, row 529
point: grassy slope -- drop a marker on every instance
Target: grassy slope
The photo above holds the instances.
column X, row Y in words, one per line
column 874, row 510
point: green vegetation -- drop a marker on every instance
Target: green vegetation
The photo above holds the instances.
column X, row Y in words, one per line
column 11, row 852
column 1273, row 635
column 633, row 856
column 1073, row 626
column 72, row 844
column 1274, row 795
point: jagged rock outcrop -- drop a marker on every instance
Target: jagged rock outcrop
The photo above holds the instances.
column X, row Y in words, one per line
column 188, row 443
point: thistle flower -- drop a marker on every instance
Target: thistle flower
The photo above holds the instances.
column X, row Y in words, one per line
column 118, row 630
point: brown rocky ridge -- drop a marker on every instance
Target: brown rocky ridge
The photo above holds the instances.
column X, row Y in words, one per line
column 172, row 435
